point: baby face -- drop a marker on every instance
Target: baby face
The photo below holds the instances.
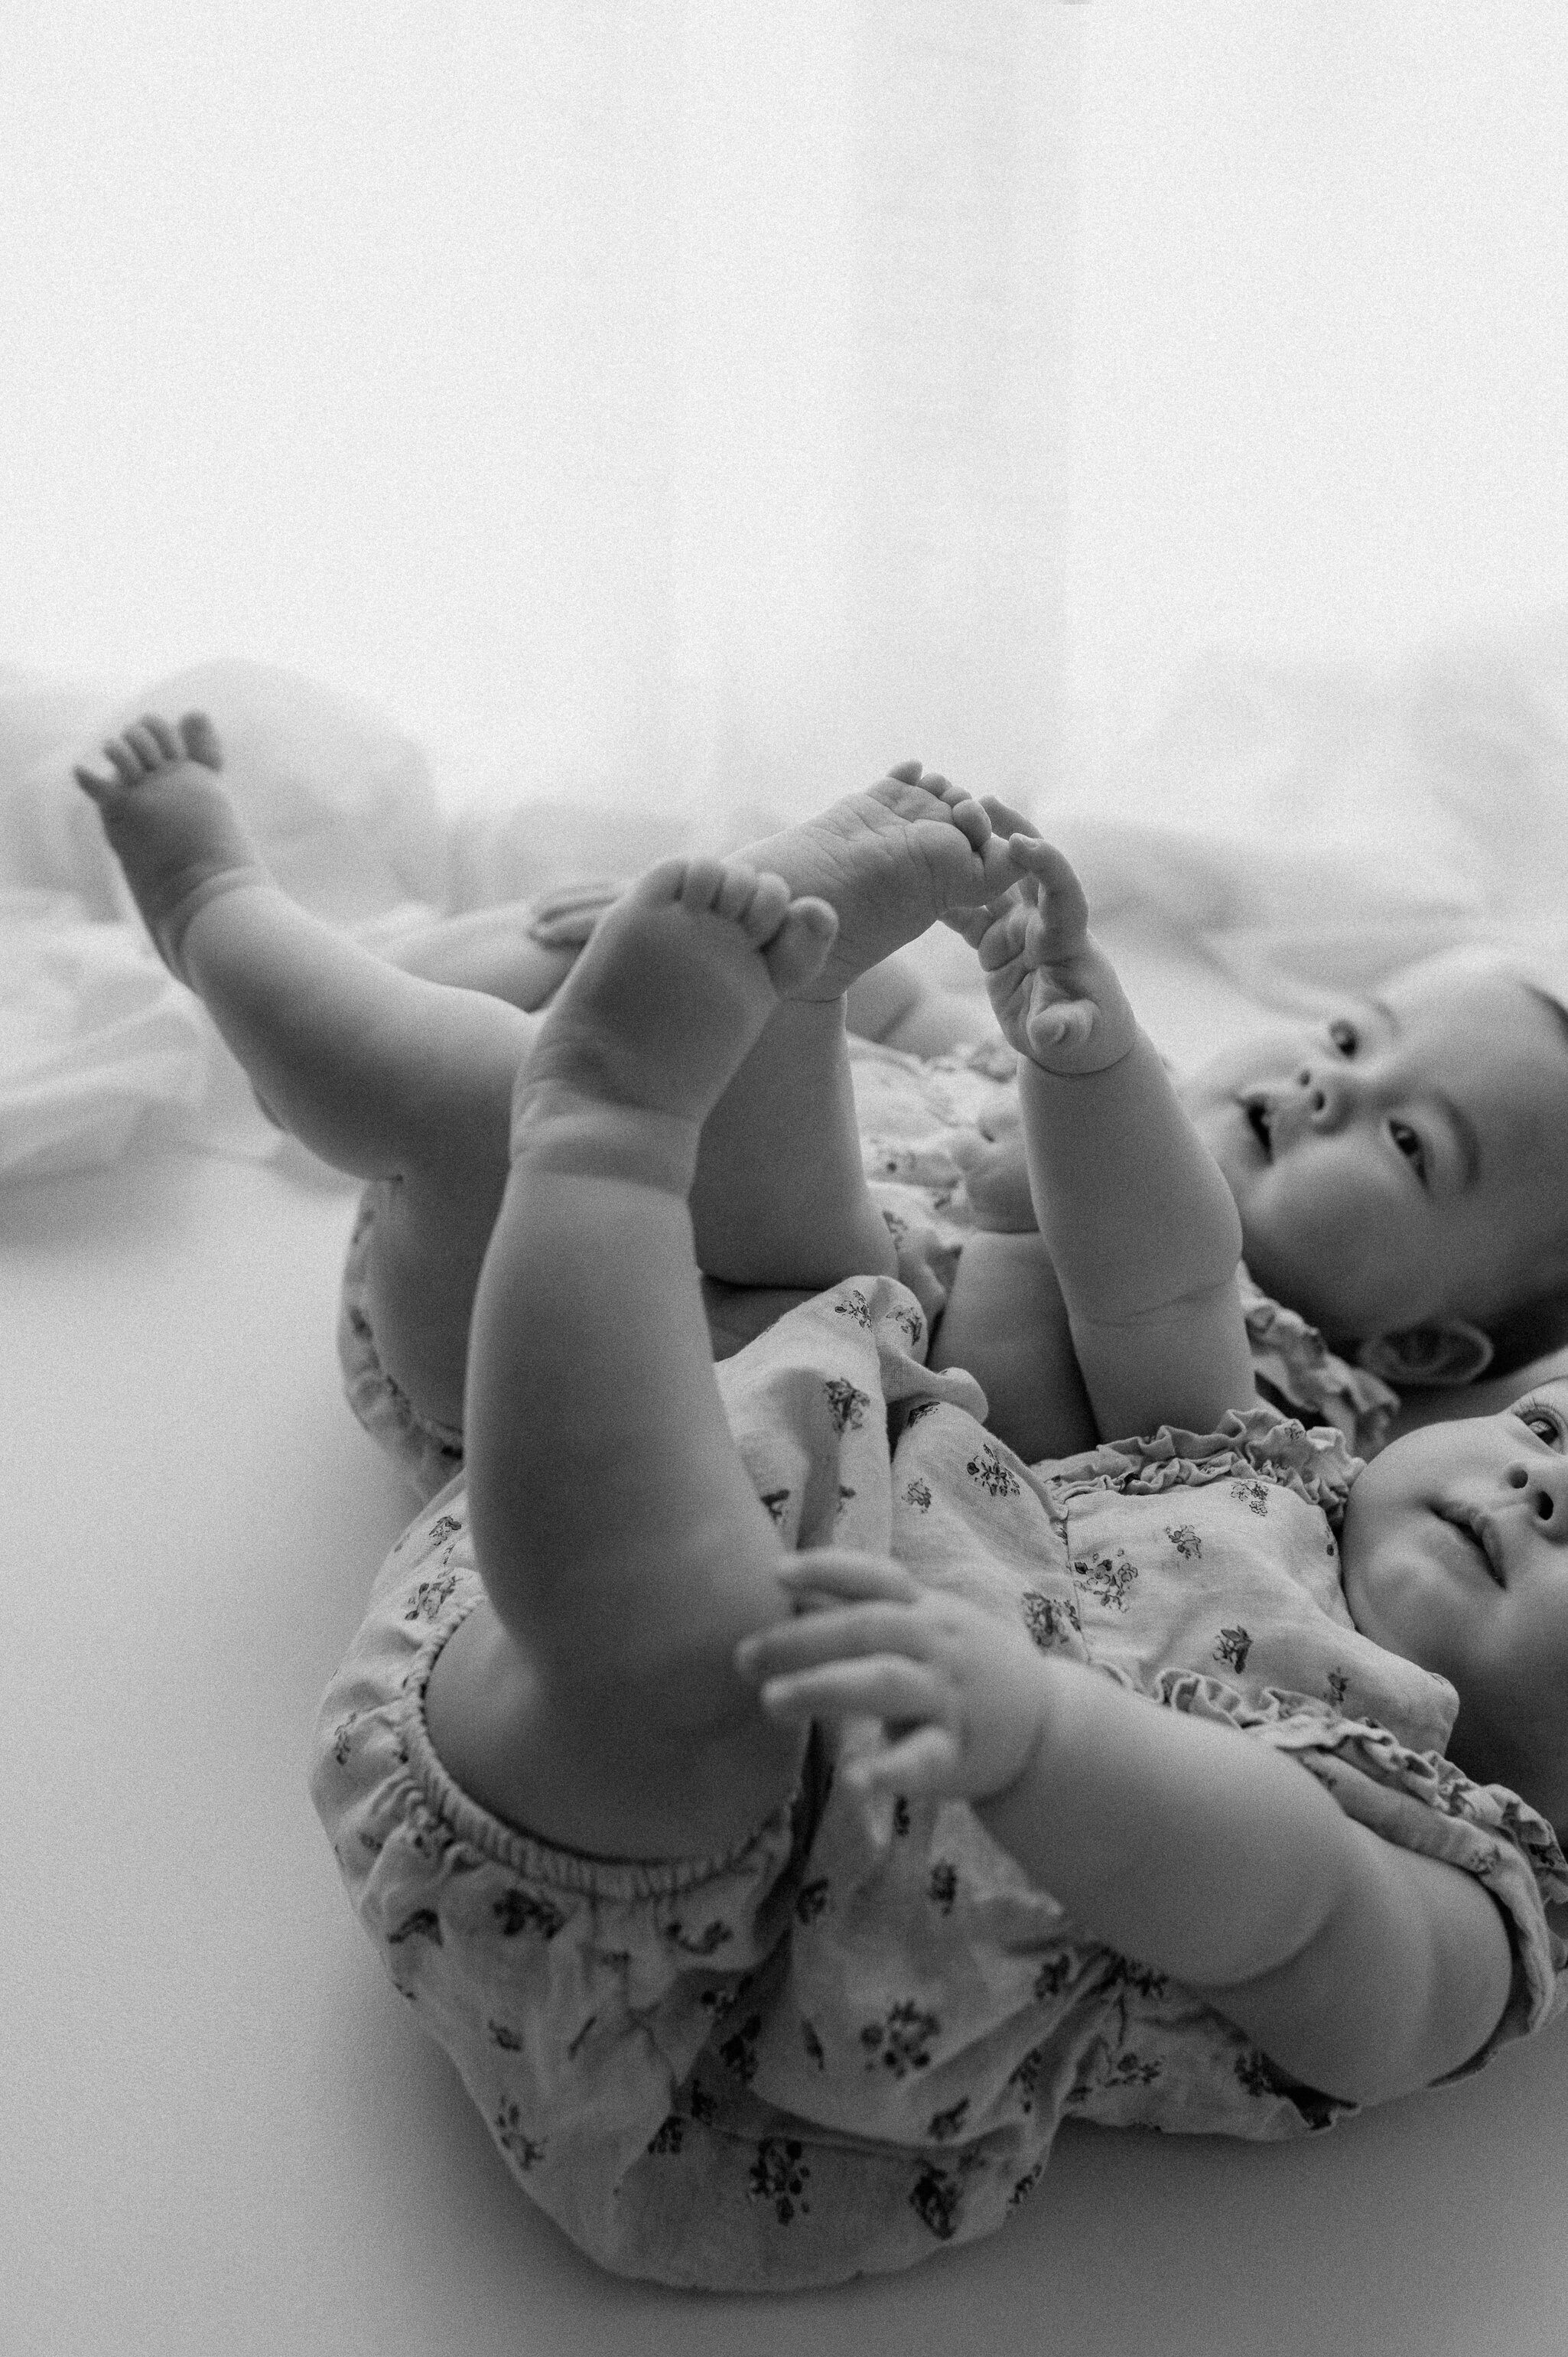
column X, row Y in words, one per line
column 1454, row 1553
column 1403, row 1160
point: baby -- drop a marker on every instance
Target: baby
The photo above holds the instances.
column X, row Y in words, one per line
column 1394, row 1167
column 784, row 1803
column 1329, row 1131
column 407, row 1082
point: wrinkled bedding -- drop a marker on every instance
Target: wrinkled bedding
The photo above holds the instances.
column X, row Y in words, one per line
column 1281, row 831
column 210, row 2086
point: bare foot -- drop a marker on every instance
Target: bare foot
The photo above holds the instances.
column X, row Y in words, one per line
column 170, row 824
column 659, row 1011
column 890, row 861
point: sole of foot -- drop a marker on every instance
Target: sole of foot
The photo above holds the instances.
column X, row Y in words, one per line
column 672, row 990
column 169, row 822
column 890, row 862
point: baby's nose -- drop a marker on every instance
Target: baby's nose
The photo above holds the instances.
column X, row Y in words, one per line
column 1330, row 1092
column 1545, row 1489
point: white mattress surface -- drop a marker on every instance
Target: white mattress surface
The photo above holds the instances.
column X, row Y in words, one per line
column 222, row 2131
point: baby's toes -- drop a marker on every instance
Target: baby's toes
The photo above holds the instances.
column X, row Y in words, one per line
column 124, row 760
column 153, row 725
column 798, row 948
column 701, row 883
column 140, row 740
column 1005, row 820
column 970, row 819
column 765, row 908
column 736, row 890
column 199, row 739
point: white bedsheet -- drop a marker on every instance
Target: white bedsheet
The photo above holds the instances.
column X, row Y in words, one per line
column 1295, row 828
column 222, row 2130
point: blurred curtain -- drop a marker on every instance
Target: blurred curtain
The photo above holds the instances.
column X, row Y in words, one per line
column 807, row 410
column 644, row 398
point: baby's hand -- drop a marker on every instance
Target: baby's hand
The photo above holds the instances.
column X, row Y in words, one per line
column 960, row 1694
column 1053, row 990
column 997, row 1172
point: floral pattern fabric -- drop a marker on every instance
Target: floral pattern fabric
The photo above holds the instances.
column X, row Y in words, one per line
column 910, row 1110
column 913, row 1110
column 852, row 2042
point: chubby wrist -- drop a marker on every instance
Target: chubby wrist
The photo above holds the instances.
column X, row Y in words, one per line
column 1072, row 1067
column 1050, row 1699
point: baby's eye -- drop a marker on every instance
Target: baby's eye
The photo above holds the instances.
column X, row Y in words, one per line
column 1344, row 1037
column 1541, row 1421
column 1409, row 1146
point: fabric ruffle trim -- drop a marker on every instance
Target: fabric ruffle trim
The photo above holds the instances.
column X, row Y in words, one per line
column 1317, row 1464
column 1294, row 1357
column 1299, row 1722
column 1421, row 1801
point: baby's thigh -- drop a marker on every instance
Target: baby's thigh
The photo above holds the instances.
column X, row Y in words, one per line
column 620, row 1751
column 427, row 1244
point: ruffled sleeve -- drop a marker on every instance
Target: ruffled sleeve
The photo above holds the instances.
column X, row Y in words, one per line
column 1421, row 1802
column 1309, row 1379
column 1317, row 1465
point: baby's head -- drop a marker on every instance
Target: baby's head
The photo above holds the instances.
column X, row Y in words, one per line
column 1400, row 1164
column 1454, row 1553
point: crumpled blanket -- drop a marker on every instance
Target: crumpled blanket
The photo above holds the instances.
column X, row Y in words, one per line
column 102, row 1052
column 1303, row 828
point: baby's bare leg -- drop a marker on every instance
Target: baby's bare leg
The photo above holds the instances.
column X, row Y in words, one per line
column 502, row 951
column 624, row 1551
column 383, row 1075
column 898, row 1005
column 781, row 1197
column 354, row 1058
column 489, row 950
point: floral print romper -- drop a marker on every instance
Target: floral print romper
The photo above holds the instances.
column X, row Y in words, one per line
column 910, row 1111
column 850, row 2042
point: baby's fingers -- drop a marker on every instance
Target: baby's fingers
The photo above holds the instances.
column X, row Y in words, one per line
column 1061, row 896
column 925, row 1760
column 882, row 1685
column 849, row 1575
column 976, row 923
column 1006, row 821
column 829, row 1633
column 1060, row 1022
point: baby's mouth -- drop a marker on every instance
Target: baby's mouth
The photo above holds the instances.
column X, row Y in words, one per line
column 1478, row 1530
column 1260, row 1120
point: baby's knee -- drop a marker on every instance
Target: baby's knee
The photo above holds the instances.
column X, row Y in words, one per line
column 608, row 1749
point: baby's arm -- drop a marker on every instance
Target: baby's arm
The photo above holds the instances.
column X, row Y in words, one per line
column 1362, row 1970
column 1140, row 1228
column 1005, row 1320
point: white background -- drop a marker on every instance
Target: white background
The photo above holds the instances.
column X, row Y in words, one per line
column 269, row 386
column 1323, row 328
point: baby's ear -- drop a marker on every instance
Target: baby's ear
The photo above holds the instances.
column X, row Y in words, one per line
column 1441, row 1356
